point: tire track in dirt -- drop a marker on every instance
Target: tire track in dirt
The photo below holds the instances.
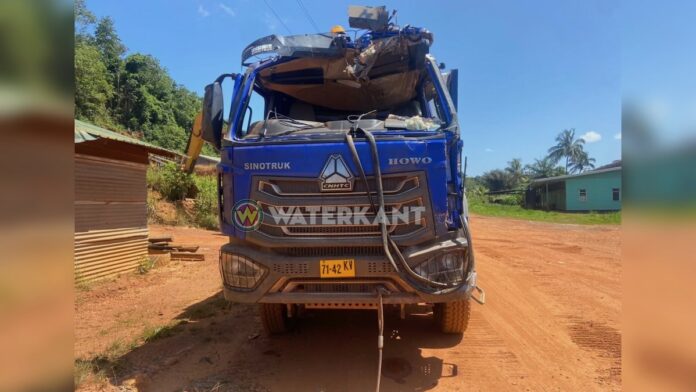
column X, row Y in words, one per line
column 551, row 323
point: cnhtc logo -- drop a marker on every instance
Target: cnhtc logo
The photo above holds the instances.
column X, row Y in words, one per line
column 335, row 176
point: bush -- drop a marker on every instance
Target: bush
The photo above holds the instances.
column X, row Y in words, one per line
column 206, row 202
column 174, row 185
column 171, row 182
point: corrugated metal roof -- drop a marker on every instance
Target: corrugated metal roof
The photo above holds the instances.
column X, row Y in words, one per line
column 85, row 132
column 561, row 178
column 209, row 159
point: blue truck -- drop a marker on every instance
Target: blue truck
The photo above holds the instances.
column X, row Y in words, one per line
column 341, row 183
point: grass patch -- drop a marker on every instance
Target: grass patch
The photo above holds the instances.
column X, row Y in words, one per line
column 517, row 212
column 145, row 264
column 98, row 369
column 85, row 370
column 150, row 334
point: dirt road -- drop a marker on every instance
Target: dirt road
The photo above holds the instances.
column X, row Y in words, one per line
column 551, row 323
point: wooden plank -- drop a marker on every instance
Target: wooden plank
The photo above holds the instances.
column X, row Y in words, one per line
column 160, row 238
column 186, row 256
column 174, row 247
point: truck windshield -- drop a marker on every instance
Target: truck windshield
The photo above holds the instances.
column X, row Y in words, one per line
column 286, row 100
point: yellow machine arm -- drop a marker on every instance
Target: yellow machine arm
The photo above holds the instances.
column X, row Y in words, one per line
column 195, row 144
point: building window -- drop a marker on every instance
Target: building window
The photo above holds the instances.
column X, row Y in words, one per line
column 615, row 194
column 582, row 195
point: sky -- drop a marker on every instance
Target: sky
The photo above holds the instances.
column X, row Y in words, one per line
column 527, row 70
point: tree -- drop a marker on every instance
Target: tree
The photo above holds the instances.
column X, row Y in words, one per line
column 542, row 168
column 515, row 171
column 497, row 180
column 568, row 147
column 92, row 88
column 84, row 18
column 581, row 163
column 146, row 94
column 109, row 44
column 134, row 93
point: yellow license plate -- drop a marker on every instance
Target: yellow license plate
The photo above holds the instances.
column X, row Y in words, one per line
column 344, row 268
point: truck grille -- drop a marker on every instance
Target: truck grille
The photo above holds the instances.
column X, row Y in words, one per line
column 332, row 252
column 302, row 196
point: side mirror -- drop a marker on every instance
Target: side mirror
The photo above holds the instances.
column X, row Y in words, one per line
column 452, row 82
column 213, row 110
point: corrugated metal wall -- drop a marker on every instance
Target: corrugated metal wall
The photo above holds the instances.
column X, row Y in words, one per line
column 110, row 216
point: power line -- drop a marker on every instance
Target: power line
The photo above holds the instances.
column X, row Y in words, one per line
column 308, row 15
column 277, row 17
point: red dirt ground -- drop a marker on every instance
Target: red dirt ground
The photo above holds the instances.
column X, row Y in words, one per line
column 551, row 322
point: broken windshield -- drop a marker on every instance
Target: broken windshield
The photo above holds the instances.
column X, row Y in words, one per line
column 318, row 95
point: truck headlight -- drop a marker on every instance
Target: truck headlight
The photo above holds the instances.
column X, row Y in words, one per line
column 446, row 268
column 240, row 272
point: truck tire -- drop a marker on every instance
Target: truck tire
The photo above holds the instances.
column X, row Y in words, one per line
column 273, row 318
column 452, row 317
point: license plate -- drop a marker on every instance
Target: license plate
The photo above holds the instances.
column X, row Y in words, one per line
column 344, row 268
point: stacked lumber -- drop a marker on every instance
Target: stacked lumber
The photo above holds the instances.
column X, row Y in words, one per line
column 101, row 253
column 164, row 244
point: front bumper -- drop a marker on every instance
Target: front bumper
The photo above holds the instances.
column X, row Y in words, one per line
column 296, row 279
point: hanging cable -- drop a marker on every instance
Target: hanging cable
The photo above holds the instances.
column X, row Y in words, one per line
column 389, row 246
column 277, row 17
column 308, row 16
column 380, row 338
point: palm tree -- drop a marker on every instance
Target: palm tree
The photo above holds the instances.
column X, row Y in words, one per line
column 515, row 171
column 567, row 146
column 542, row 168
column 581, row 163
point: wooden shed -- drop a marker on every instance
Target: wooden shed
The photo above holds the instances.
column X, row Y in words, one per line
column 110, row 201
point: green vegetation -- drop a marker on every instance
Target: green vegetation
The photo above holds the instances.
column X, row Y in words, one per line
column 517, row 212
column 573, row 150
column 130, row 93
column 206, row 202
column 500, row 192
column 171, row 182
column 176, row 186
column 99, row 368
column 517, row 176
column 152, row 333
column 146, row 264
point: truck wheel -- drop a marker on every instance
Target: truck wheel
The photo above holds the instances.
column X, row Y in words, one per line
column 273, row 318
column 452, row 317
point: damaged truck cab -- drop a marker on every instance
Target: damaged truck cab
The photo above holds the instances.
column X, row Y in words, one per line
column 341, row 179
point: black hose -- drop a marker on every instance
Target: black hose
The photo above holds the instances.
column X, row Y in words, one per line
column 431, row 286
column 361, row 171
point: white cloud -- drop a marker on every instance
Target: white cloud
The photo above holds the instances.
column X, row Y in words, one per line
column 229, row 11
column 488, row 150
column 617, row 136
column 202, row 11
column 591, row 137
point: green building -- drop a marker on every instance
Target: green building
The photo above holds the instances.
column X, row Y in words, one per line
column 596, row 190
